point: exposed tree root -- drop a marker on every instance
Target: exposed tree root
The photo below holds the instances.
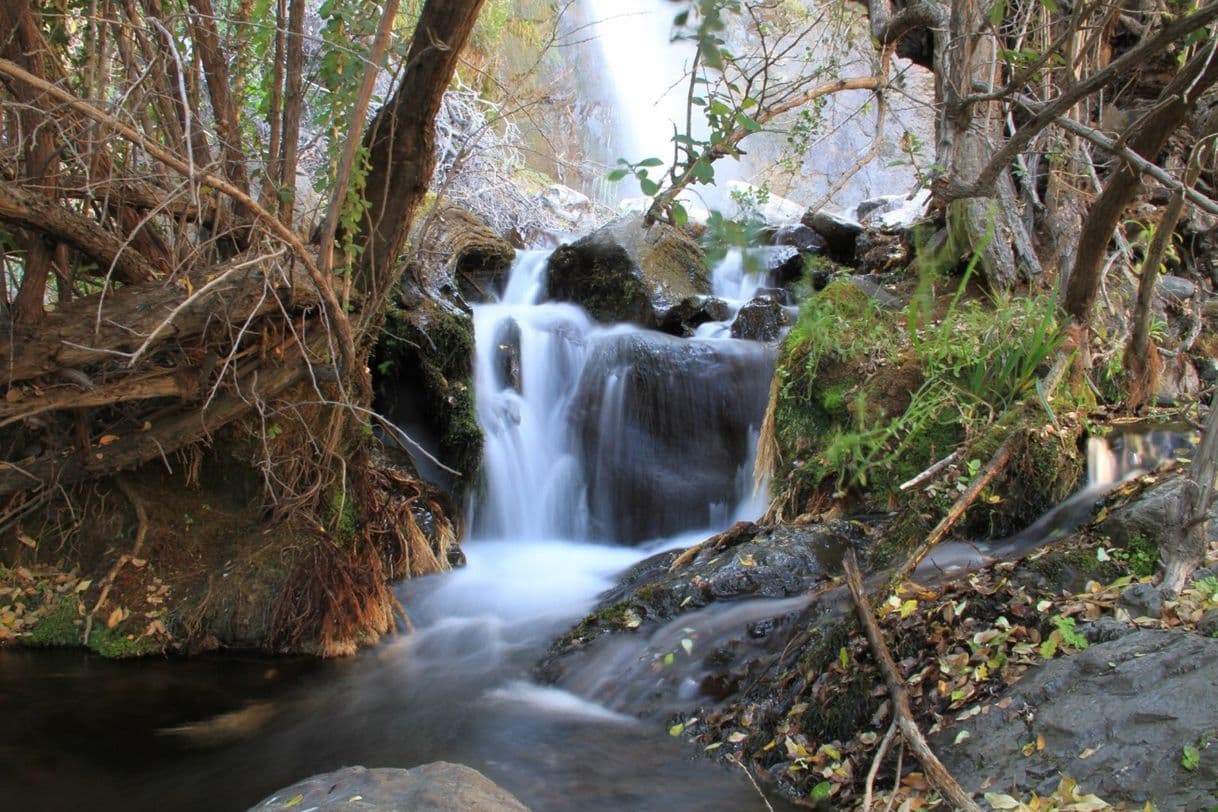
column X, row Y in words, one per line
column 141, row 532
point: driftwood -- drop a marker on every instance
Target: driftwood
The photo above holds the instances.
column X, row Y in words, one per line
column 936, row 773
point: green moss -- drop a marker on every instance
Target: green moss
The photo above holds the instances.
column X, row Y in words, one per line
column 59, row 627
column 115, row 645
column 1070, row 569
column 343, row 514
column 1141, row 555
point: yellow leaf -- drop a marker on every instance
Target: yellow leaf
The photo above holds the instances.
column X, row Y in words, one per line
column 115, row 618
column 294, row 802
column 26, row 540
column 737, row 737
column 83, row 585
column 106, row 439
column 998, row 801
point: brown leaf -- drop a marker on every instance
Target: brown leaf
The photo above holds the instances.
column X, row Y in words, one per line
column 115, row 618
column 106, row 439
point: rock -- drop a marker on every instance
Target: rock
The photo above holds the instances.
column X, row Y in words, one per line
column 1175, row 288
column 1141, row 600
column 876, row 291
column 799, row 237
column 1105, row 630
column 1178, row 382
column 762, row 319
column 1145, row 516
column 783, row 263
column 1207, row 370
column 1113, row 718
column 625, row 273
column 507, row 348
column 878, row 252
column 435, row 787
column 569, row 204
column 1208, row 625
column 840, row 233
column 893, row 212
column 770, row 208
column 684, row 318
column 646, row 402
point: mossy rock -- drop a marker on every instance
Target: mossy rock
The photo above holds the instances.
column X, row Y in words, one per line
column 624, row 272
column 456, row 249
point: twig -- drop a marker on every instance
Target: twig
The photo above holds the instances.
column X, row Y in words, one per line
column 930, row 472
column 936, row 773
column 739, row 763
column 875, row 764
column 141, row 530
column 993, row 468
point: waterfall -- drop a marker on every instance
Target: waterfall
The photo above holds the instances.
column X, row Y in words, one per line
column 609, row 433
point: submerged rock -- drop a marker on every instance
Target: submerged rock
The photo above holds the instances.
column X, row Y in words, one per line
column 435, row 787
column 799, row 237
column 1114, row 718
column 623, row 272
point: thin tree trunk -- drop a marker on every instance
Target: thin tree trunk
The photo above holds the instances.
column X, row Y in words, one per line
column 1147, row 139
column 293, row 105
column 223, row 105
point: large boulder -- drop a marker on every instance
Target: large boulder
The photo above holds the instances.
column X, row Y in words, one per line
column 623, row 272
column 763, row 319
column 1115, row 718
column 435, row 787
column 1144, row 518
column 645, row 405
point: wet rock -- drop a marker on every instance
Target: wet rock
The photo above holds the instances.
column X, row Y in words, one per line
column 1141, row 600
column 840, row 232
column 507, row 351
column 625, row 273
column 1178, row 382
column 435, row 787
column 783, row 263
column 684, row 318
column 1175, row 288
column 1126, row 707
column 799, row 237
column 878, row 252
column 646, row 403
column 763, row 319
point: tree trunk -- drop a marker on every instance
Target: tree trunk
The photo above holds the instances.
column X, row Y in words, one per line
column 401, row 150
column 1146, row 138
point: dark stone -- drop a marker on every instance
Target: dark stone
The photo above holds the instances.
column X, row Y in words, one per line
column 762, row 319
column 841, row 233
column 1178, row 382
column 1208, row 625
column 1207, row 370
column 507, row 351
column 623, row 272
column 782, row 263
column 799, row 237
column 1146, row 516
column 435, row 787
column 1126, row 707
column 688, row 314
column 647, row 402
column 1105, row 630
column 1141, row 600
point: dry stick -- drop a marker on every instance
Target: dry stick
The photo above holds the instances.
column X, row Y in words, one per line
column 936, row 773
column 930, row 472
column 141, row 530
column 875, row 765
column 339, row 318
column 993, row 468
column 740, row 763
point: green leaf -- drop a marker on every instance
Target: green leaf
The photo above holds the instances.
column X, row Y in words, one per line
column 1050, row 5
column 651, row 162
column 822, row 791
column 748, row 123
column 679, row 215
column 649, row 187
column 704, row 172
column 997, row 12
column 1190, row 758
column 616, row 175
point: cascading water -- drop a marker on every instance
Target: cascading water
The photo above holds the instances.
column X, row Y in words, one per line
column 589, row 429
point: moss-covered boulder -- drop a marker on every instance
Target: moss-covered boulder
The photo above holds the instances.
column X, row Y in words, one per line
column 624, row 272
